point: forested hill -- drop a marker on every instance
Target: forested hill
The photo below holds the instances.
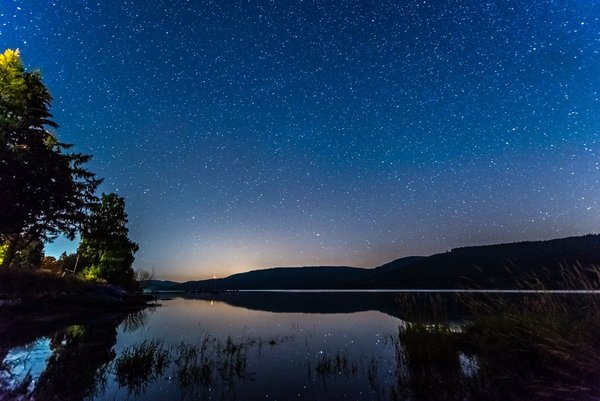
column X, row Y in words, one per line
column 490, row 266
column 497, row 266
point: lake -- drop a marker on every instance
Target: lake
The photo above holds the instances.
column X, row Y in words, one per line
column 284, row 346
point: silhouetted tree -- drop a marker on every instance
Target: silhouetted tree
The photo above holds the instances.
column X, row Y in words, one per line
column 44, row 190
column 50, row 263
column 105, row 245
column 67, row 262
column 29, row 256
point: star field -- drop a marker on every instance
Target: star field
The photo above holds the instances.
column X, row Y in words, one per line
column 250, row 134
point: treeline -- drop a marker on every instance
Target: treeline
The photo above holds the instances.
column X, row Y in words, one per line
column 46, row 190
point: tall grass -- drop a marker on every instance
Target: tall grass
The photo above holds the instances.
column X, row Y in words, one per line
column 535, row 346
column 546, row 344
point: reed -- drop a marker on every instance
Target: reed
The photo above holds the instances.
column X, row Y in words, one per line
column 546, row 344
column 337, row 364
column 139, row 365
column 211, row 360
column 195, row 363
column 542, row 346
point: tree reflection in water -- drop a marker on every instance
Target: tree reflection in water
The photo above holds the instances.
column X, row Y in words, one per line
column 79, row 363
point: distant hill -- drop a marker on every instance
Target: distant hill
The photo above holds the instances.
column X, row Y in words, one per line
column 318, row 277
column 400, row 263
column 160, row 285
column 496, row 266
column 489, row 266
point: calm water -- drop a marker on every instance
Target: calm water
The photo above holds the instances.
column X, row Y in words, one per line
column 245, row 346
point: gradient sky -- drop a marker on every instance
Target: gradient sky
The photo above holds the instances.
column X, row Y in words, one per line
column 249, row 134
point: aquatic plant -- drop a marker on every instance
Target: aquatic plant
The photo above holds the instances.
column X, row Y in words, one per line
column 141, row 364
column 137, row 319
column 338, row 364
column 376, row 384
column 524, row 346
column 233, row 359
column 211, row 360
column 545, row 344
column 194, row 363
column 426, row 307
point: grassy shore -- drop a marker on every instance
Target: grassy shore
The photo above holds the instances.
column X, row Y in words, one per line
column 40, row 291
column 25, row 286
column 535, row 346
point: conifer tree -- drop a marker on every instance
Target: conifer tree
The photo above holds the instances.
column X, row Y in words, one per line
column 106, row 249
column 44, row 189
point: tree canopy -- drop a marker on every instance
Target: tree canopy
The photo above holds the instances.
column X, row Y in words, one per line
column 45, row 190
column 105, row 245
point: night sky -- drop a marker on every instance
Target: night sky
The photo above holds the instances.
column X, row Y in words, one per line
column 250, row 134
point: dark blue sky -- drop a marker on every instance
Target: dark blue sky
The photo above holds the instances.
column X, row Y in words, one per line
column 247, row 134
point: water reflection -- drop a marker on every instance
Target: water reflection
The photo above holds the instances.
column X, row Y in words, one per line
column 431, row 364
column 72, row 363
column 195, row 349
column 140, row 365
column 306, row 302
column 22, row 365
column 77, row 366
